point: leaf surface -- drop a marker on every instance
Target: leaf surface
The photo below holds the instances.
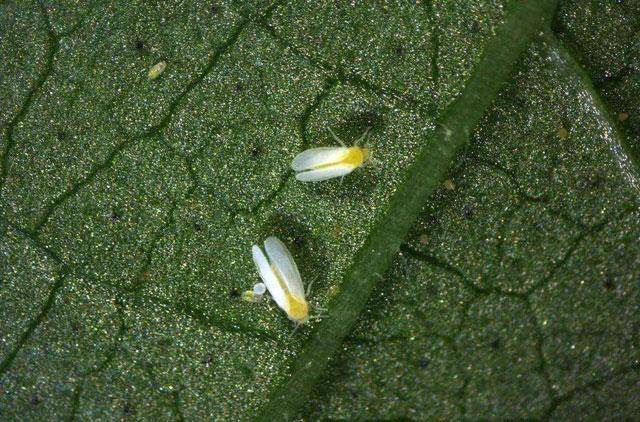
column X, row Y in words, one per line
column 128, row 208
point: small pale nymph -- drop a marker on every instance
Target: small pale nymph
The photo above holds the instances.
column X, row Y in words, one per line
column 282, row 278
column 317, row 164
column 156, row 70
column 255, row 295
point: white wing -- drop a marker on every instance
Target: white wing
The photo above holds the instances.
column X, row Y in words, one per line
column 268, row 276
column 325, row 173
column 314, row 157
column 282, row 259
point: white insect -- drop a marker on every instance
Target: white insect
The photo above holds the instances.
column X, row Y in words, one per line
column 255, row 295
column 282, row 278
column 156, row 70
column 317, row 164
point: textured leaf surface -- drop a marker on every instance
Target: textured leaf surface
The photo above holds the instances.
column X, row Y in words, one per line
column 128, row 208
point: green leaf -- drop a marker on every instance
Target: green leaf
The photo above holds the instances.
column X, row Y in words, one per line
column 430, row 167
column 516, row 295
column 129, row 206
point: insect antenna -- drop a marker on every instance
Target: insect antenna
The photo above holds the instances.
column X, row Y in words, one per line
column 336, row 137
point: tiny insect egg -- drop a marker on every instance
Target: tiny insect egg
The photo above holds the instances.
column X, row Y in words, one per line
column 259, row 289
column 157, row 69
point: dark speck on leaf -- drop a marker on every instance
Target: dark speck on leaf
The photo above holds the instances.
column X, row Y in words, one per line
column 399, row 51
column 565, row 363
column 298, row 241
column 165, row 342
column 214, row 9
column 596, row 180
column 234, row 294
column 115, row 216
column 207, row 361
column 431, row 289
column 432, row 220
column 468, row 211
column 139, row 45
column 423, row 363
column 256, row 151
column 127, row 409
column 609, row 284
column 593, row 181
column 197, row 227
column 495, row 344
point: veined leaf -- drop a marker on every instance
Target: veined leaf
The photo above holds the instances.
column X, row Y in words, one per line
column 128, row 207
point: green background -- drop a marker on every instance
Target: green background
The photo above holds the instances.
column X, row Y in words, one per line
column 128, row 208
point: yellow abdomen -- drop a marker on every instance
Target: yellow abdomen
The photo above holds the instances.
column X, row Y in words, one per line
column 297, row 309
column 356, row 156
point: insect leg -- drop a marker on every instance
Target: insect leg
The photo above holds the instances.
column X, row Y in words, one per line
column 294, row 330
column 364, row 135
